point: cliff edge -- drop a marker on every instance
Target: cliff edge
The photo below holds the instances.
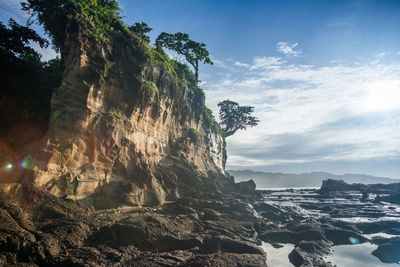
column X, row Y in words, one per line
column 126, row 132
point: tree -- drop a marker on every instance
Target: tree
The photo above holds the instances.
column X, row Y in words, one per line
column 193, row 52
column 17, row 38
column 27, row 82
column 140, row 29
column 234, row 117
column 98, row 19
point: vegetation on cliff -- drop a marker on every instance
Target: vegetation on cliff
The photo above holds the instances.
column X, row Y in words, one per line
column 100, row 22
column 193, row 52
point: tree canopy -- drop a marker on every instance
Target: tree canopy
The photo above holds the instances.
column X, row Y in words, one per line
column 99, row 18
column 16, row 39
column 27, row 82
column 193, row 52
column 140, row 29
column 234, row 117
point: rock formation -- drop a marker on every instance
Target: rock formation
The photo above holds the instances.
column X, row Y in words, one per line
column 126, row 132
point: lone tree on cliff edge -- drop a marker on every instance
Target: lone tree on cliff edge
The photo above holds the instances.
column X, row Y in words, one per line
column 193, row 52
column 141, row 30
column 234, row 117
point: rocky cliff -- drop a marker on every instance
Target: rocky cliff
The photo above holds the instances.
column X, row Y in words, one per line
column 124, row 132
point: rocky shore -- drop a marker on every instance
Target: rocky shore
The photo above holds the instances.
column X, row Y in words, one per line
column 50, row 231
column 222, row 231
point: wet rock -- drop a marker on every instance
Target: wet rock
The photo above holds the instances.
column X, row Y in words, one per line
column 388, row 252
column 317, row 247
column 291, row 237
column 246, row 187
column 378, row 226
column 330, row 185
column 299, row 258
column 392, row 231
column 272, row 213
column 343, row 237
column 210, row 214
column 72, row 232
column 226, row 245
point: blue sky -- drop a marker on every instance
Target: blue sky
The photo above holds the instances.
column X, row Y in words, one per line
column 323, row 76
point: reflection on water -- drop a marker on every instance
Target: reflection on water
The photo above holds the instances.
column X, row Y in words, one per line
column 277, row 257
column 343, row 207
column 348, row 255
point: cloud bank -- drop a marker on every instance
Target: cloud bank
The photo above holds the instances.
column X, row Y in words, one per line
column 313, row 114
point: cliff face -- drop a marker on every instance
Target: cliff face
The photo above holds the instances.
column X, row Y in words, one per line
column 125, row 133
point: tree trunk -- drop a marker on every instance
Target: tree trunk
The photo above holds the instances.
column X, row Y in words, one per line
column 196, row 69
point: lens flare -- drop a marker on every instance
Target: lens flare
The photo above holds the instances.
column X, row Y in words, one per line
column 9, row 166
column 24, row 163
column 354, row 240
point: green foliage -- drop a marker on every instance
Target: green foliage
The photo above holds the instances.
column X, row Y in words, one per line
column 116, row 113
column 184, row 74
column 99, row 19
column 194, row 134
column 153, row 88
column 208, row 117
column 140, row 29
column 160, row 58
column 234, row 117
column 16, row 39
column 181, row 71
column 193, row 52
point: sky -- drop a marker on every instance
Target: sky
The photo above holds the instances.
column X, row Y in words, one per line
column 323, row 76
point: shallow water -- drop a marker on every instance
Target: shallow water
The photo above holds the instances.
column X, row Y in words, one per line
column 349, row 208
column 356, row 255
column 278, row 256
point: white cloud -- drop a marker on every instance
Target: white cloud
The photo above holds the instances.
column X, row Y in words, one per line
column 332, row 108
column 221, row 64
column 266, row 63
column 288, row 49
column 240, row 64
column 380, row 55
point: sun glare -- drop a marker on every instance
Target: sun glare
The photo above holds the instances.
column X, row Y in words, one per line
column 383, row 96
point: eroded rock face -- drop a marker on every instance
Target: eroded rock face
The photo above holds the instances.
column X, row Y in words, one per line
column 119, row 133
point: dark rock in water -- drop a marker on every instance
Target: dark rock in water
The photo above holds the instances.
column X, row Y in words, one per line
column 317, row 247
column 378, row 226
column 388, row 252
column 248, row 186
column 343, row 237
column 242, row 187
column 385, row 192
column 392, row 231
column 299, row 258
column 391, row 198
column 291, row 237
column 275, row 245
column 331, row 185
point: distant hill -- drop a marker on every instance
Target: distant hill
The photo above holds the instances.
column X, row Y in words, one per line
column 313, row 179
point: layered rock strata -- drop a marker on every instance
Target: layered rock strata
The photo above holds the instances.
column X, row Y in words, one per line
column 127, row 133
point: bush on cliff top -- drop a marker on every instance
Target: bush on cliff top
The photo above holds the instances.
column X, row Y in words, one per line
column 100, row 21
